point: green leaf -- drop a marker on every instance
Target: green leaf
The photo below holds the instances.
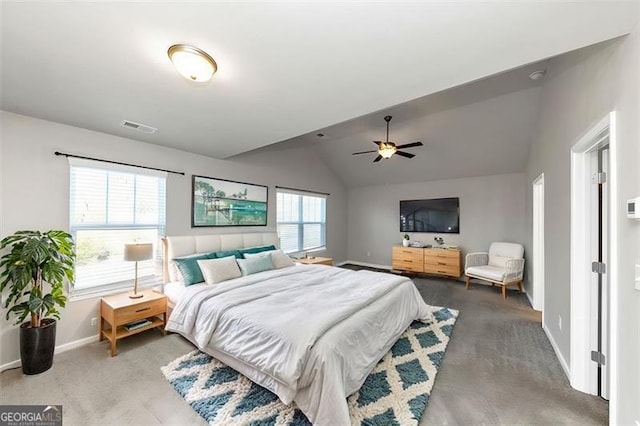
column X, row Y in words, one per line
column 33, row 272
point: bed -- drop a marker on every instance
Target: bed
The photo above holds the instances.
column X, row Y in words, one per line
column 308, row 333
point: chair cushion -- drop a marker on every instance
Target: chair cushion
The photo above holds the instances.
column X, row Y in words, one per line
column 499, row 253
column 490, row 272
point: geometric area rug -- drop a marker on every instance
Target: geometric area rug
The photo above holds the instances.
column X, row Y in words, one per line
column 396, row 392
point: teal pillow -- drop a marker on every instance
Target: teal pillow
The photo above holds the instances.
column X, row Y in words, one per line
column 226, row 253
column 255, row 264
column 189, row 268
column 254, row 250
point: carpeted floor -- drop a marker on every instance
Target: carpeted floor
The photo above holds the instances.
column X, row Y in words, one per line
column 499, row 368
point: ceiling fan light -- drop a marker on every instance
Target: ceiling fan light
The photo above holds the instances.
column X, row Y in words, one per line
column 387, row 151
column 192, row 63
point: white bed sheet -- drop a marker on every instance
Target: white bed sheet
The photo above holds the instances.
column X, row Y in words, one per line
column 309, row 333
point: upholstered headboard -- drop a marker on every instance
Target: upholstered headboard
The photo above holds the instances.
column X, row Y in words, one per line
column 192, row 244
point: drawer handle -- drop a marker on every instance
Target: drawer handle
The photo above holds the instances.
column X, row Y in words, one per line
column 442, row 263
column 144, row 309
column 442, row 272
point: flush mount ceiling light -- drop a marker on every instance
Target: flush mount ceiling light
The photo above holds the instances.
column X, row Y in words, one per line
column 192, row 63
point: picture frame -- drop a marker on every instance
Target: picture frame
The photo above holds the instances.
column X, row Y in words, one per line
column 221, row 202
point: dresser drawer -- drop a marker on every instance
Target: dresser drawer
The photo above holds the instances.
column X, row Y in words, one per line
column 442, row 261
column 442, row 253
column 452, row 271
column 407, row 265
column 407, row 252
column 127, row 314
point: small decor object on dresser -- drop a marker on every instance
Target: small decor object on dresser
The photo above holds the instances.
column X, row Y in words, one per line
column 406, row 241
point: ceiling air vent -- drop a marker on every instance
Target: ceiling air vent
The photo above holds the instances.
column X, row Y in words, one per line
column 137, row 126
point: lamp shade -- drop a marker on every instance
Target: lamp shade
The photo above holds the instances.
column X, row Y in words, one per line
column 138, row 252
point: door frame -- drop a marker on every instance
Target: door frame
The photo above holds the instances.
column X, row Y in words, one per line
column 583, row 373
column 538, row 244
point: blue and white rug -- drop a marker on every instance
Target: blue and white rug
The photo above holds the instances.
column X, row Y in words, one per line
column 395, row 393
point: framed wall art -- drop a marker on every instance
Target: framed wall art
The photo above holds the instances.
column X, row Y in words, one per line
column 221, row 202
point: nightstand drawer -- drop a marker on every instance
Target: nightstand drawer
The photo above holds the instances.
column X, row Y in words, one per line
column 127, row 314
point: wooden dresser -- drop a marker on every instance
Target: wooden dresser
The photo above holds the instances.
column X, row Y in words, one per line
column 446, row 262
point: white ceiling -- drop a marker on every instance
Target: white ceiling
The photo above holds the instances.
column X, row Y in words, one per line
column 285, row 69
column 482, row 128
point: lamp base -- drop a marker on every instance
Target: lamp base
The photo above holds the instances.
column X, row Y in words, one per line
column 136, row 296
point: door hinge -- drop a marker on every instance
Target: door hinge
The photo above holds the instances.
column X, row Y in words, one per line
column 598, row 268
column 600, row 177
column 598, row 357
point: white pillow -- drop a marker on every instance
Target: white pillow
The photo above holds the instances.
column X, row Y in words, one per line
column 278, row 258
column 218, row 270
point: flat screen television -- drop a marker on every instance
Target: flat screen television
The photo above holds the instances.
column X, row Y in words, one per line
column 439, row 215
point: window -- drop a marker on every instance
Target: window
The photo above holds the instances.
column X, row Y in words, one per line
column 301, row 221
column 111, row 206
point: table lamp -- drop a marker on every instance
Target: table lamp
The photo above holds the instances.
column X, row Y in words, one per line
column 137, row 252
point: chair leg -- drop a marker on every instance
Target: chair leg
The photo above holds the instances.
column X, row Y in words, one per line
column 468, row 282
column 504, row 292
column 520, row 286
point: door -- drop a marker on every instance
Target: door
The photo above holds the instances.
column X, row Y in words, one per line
column 603, row 279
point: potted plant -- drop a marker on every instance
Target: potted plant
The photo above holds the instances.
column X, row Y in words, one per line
column 406, row 240
column 33, row 271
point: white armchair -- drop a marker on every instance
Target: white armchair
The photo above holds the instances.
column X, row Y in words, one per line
column 503, row 265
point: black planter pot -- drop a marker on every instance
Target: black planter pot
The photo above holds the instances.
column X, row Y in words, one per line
column 36, row 346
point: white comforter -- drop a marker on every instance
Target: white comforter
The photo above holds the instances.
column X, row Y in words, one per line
column 311, row 333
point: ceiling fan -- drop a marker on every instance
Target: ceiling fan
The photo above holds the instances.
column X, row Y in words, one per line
column 387, row 149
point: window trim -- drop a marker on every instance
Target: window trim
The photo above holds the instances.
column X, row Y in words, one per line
column 300, row 223
column 118, row 286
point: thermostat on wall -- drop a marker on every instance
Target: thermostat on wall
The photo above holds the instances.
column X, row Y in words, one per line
column 633, row 208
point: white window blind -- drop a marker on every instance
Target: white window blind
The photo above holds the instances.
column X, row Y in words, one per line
column 113, row 205
column 301, row 221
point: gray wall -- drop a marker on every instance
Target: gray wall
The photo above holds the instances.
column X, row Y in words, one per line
column 579, row 90
column 35, row 193
column 492, row 208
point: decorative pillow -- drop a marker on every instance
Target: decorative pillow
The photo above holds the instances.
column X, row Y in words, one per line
column 278, row 258
column 189, row 269
column 253, row 250
column 226, row 253
column 218, row 270
column 255, row 264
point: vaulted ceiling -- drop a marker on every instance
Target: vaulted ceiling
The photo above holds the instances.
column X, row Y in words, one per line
column 288, row 69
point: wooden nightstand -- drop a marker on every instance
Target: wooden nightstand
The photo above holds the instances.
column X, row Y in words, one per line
column 316, row 261
column 120, row 309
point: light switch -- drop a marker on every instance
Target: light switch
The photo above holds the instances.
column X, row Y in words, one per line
column 638, row 277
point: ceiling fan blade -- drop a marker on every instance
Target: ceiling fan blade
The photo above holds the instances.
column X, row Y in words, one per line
column 378, row 158
column 364, row 152
column 409, row 145
column 378, row 142
column 405, row 154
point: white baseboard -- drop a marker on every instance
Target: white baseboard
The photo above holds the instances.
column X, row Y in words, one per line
column 529, row 297
column 556, row 349
column 370, row 265
column 58, row 350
